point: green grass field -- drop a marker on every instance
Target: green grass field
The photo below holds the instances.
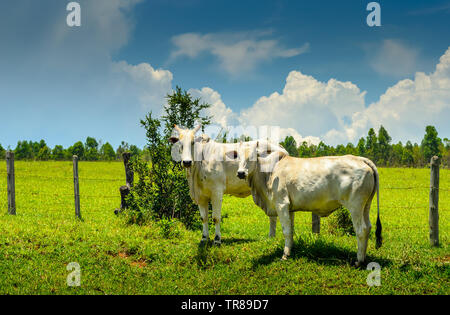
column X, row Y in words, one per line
column 115, row 258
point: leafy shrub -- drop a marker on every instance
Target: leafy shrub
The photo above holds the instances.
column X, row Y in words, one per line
column 340, row 222
column 161, row 190
column 168, row 228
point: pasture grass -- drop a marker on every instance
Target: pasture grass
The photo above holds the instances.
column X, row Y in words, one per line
column 160, row 258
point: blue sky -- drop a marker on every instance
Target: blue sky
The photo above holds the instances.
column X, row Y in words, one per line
column 313, row 68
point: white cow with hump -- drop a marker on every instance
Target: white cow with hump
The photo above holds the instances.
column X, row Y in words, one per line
column 211, row 169
column 283, row 184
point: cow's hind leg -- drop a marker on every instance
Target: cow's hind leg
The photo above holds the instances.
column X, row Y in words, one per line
column 204, row 215
column 273, row 226
column 362, row 226
column 216, row 202
column 286, row 224
column 292, row 216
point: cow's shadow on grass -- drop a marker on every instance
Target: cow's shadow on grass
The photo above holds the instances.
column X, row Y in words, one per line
column 319, row 251
column 204, row 249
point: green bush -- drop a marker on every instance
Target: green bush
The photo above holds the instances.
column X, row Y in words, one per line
column 340, row 222
column 161, row 190
column 169, row 228
column 2, row 152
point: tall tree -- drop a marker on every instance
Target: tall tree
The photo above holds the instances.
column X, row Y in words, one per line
column 371, row 145
column 91, row 149
column 107, row 152
column 23, row 151
column 361, row 147
column 290, row 145
column 304, row 150
column 58, row 153
column 183, row 110
column 350, row 149
column 384, row 146
column 430, row 143
column 407, row 156
column 44, row 154
column 2, row 152
column 78, row 150
column 322, row 149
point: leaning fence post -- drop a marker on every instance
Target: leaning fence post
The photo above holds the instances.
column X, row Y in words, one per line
column 129, row 178
column 11, row 183
column 434, row 201
column 128, row 171
column 315, row 223
column 76, row 186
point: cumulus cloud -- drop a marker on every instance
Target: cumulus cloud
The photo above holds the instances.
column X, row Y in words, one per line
column 299, row 139
column 70, row 76
column 237, row 53
column 392, row 58
column 308, row 105
column 408, row 106
column 149, row 84
column 220, row 113
column 336, row 112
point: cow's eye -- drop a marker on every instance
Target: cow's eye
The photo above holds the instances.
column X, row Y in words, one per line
column 232, row 155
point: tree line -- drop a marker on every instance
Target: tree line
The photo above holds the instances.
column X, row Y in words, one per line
column 379, row 149
column 376, row 146
column 90, row 150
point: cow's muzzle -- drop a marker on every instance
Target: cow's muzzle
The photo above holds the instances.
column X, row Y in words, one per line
column 241, row 175
column 187, row 163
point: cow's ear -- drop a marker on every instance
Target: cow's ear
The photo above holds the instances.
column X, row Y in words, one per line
column 173, row 140
column 205, row 138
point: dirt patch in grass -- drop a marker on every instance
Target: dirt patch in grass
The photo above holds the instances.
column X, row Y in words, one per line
column 445, row 259
column 139, row 263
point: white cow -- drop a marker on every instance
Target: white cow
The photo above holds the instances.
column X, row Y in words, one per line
column 283, row 184
column 211, row 169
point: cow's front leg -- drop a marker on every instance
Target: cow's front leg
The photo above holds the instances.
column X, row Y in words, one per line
column 204, row 215
column 286, row 224
column 273, row 226
column 216, row 203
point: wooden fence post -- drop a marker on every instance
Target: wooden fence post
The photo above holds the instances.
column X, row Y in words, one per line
column 315, row 223
column 76, row 186
column 11, row 183
column 128, row 171
column 129, row 177
column 434, row 201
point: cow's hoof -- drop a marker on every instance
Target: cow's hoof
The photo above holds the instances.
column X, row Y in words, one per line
column 359, row 264
column 285, row 257
column 217, row 241
column 204, row 242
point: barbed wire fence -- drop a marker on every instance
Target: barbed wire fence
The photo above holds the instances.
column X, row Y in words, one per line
column 129, row 178
column 56, row 197
column 433, row 221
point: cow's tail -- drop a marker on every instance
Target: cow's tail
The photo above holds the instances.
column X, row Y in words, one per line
column 379, row 239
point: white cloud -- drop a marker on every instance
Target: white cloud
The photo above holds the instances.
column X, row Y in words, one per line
column 308, row 105
column 221, row 114
column 408, row 106
column 393, row 58
column 284, row 132
column 237, row 53
column 70, row 76
column 335, row 111
column 150, row 85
